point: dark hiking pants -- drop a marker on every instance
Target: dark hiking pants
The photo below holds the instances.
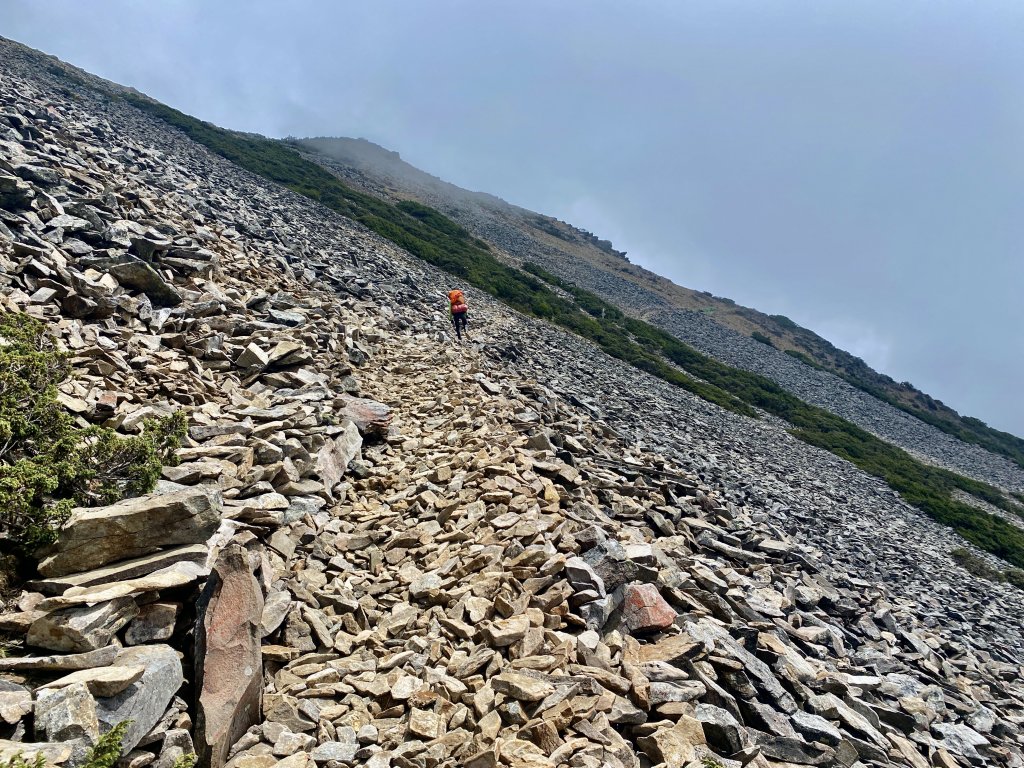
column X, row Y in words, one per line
column 459, row 321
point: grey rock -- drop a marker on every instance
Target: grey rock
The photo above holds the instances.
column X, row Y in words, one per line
column 155, row 622
column 66, row 713
column 816, row 728
column 142, row 277
column 144, row 701
column 82, row 628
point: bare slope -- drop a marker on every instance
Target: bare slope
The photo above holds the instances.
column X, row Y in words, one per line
column 593, row 264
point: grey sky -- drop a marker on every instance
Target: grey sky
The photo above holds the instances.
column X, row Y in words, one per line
column 857, row 166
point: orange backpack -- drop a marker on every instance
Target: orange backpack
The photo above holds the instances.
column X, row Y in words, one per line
column 458, row 302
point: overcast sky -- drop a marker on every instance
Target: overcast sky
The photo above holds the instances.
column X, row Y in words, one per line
column 857, row 166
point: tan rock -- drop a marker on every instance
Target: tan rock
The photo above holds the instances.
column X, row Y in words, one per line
column 425, row 724
column 81, row 628
column 132, row 528
column 522, row 687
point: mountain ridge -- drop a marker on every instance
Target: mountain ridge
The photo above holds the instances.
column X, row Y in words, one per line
column 439, row 241
column 382, row 171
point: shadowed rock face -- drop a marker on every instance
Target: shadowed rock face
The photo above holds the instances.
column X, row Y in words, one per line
column 455, row 590
column 145, row 701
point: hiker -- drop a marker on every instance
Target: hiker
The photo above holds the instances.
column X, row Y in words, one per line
column 458, row 311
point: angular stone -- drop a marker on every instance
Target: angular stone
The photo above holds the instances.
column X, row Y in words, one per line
column 675, row 746
column 789, row 750
column 425, row 724
column 670, row 649
column 298, row 760
column 522, row 687
column 82, row 628
column 142, row 277
column 101, row 657
column 133, row 528
column 253, row 356
column 156, row 621
column 816, row 728
column 507, row 631
column 65, row 714
column 582, row 577
column 275, row 608
column 144, row 701
column 15, row 702
column 960, row 739
column 229, row 664
column 121, row 571
column 334, row 457
column 102, row 681
column 645, row 610
column 171, row 577
column 675, row 691
column 423, row 585
column 608, row 559
column 341, row 751
column 371, row 417
column 721, row 729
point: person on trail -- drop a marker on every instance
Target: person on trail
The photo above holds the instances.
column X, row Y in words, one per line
column 458, row 312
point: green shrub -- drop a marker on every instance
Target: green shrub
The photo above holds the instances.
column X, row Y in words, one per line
column 107, row 751
column 758, row 336
column 975, row 565
column 19, row 761
column 48, row 464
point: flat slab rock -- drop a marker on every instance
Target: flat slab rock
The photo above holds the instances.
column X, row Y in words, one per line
column 133, row 528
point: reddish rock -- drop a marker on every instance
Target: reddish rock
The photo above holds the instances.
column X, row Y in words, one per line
column 371, row 417
column 229, row 664
column 644, row 609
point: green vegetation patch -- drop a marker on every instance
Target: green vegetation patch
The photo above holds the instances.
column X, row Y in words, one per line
column 977, row 566
column 49, row 464
column 431, row 236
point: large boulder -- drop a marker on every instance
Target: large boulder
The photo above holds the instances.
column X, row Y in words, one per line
column 132, row 528
column 229, row 662
column 145, row 700
column 142, row 277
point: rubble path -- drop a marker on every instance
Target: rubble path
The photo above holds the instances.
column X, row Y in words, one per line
column 472, row 603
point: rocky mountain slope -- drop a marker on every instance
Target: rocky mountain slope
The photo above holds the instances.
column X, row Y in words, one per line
column 836, row 381
column 381, row 548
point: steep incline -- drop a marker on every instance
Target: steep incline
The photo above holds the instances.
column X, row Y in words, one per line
column 519, row 552
column 713, row 326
